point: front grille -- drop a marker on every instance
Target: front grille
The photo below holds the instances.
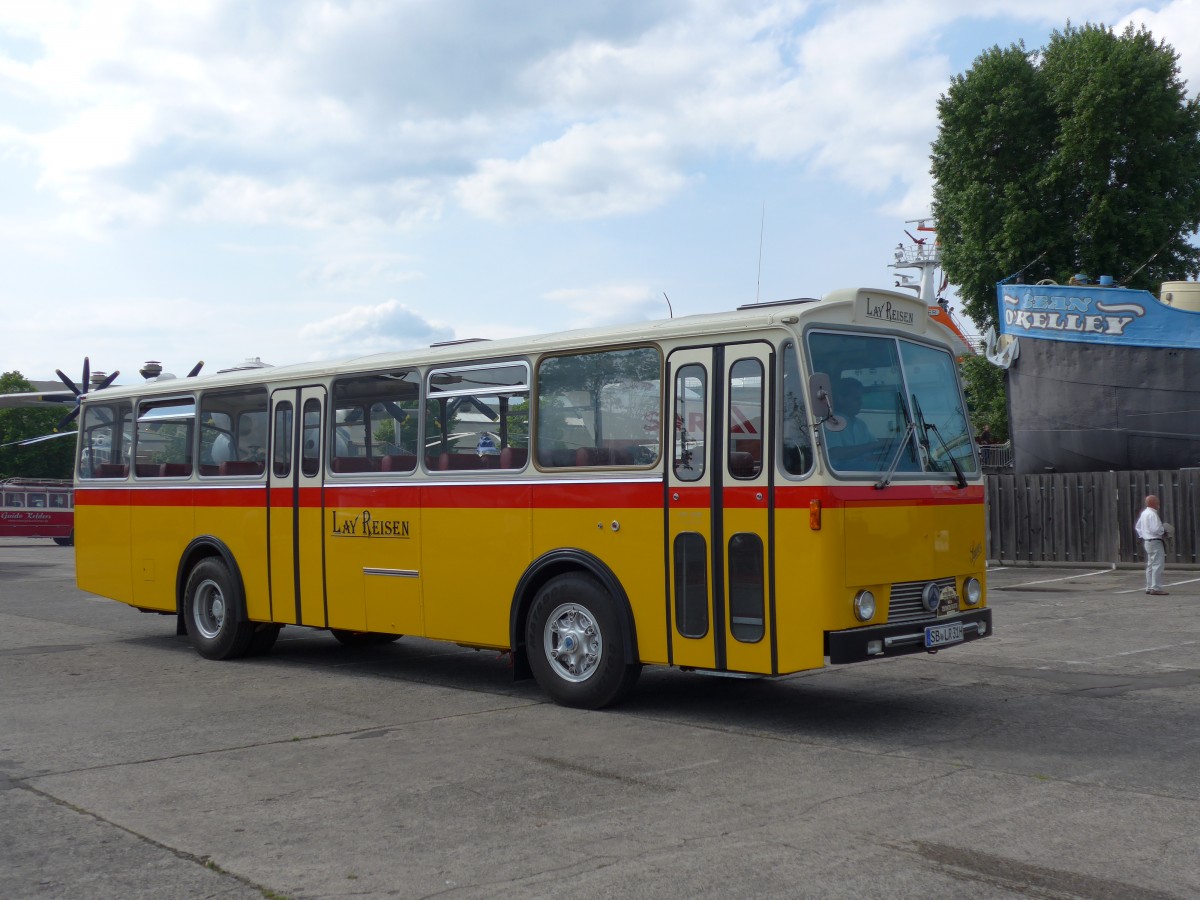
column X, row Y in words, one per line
column 906, row 605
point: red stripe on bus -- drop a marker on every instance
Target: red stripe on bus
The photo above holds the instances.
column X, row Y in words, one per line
column 180, row 496
column 833, row 496
column 544, row 495
column 547, row 495
column 690, row 497
column 744, row 498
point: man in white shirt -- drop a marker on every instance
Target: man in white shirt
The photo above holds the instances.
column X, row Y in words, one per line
column 1151, row 530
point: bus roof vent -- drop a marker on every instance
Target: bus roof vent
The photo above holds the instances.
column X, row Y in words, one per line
column 455, row 343
column 770, row 303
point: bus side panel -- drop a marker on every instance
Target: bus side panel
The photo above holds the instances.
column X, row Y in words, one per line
column 475, row 546
column 238, row 518
column 162, row 525
column 372, row 559
column 633, row 550
column 102, row 547
column 806, row 582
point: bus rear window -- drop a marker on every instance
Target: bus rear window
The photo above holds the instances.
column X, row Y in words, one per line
column 107, row 440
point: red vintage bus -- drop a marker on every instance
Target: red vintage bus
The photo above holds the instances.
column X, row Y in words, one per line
column 38, row 507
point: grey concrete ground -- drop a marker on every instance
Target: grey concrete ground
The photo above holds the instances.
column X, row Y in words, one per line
column 1059, row 758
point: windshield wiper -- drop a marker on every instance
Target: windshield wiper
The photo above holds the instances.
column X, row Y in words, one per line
column 908, row 430
column 922, row 435
column 927, row 427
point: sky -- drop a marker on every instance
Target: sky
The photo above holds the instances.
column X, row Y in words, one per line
column 219, row 180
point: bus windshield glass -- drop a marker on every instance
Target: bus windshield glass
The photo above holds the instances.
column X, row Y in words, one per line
column 901, row 404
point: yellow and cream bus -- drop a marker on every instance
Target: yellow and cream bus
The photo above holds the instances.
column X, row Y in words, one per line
column 757, row 492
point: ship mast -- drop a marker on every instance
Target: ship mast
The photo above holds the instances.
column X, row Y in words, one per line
column 924, row 255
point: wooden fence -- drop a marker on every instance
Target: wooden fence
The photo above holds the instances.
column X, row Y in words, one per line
column 1088, row 517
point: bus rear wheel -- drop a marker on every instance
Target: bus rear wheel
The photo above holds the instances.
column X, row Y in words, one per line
column 212, row 610
column 575, row 646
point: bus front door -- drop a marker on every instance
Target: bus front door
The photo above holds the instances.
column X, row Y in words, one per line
column 719, row 510
column 295, row 507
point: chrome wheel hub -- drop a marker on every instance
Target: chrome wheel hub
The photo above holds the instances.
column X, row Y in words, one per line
column 572, row 642
column 209, row 608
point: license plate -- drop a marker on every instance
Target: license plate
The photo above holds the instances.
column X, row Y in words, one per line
column 941, row 635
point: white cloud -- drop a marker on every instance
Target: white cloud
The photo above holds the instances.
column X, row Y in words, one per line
column 361, row 270
column 588, row 173
column 1178, row 24
column 608, row 304
column 363, row 330
column 258, row 162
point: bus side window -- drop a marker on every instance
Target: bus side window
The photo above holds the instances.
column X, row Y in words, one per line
column 599, row 409
column 797, row 456
column 691, row 401
column 310, row 453
column 233, row 432
column 282, row 458
column 375, row 420
column 477, row 417
column 163, row 446
column 745, row 440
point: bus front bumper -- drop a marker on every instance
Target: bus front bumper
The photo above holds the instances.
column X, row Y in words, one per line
column 858, row 644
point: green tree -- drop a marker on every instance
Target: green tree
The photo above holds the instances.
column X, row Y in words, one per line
column 1081, row 157
column 984, row 384
column 45, row 459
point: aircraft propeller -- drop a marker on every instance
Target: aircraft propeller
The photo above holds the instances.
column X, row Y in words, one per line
column 79, row 392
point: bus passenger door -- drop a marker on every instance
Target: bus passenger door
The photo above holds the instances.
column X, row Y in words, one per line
column 295, row 514
column 746, row 508
column 689, row 504
column 719, row 509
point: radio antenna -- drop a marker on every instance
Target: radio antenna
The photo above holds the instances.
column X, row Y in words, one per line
column 761, row 228
column 670, row 308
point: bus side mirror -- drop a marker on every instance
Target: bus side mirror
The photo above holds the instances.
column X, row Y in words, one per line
column 820, row 399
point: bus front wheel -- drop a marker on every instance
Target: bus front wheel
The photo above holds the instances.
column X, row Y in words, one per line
column 574, row 644
column 212, row 609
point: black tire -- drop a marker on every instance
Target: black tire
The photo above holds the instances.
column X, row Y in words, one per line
column 214, row 612
column 263, row 639
column 363, row 638
column 575, row 646
column 68, row 541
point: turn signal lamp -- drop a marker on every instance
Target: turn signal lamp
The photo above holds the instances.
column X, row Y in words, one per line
column 814, row 515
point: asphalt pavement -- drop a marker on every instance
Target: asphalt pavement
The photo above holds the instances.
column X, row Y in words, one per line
column 1058, row 758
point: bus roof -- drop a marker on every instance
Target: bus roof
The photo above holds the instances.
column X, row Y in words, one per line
column 839, row 307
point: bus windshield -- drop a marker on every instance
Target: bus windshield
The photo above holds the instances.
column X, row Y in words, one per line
column 901, row 404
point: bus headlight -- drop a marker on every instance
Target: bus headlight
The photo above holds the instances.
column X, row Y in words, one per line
column 972, row 591
column 864, row 606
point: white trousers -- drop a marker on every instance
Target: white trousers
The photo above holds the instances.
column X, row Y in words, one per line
column 1156, row 561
